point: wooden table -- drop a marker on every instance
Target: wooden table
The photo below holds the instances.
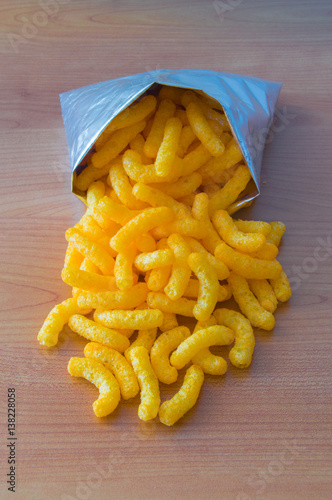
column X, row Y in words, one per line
column 259, row 433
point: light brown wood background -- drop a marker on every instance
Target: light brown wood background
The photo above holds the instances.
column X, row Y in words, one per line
column 261, row 433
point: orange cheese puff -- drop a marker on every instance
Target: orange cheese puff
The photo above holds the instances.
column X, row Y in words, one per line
column 171, row 411
column 249, row 305
column 92, row 250
column 116, row 364
column 87, row 280
column 73, row 257
column 219, row 267
column 242, row 351
column 277, row 232
column 145, row 338
column 157, row 198
column 213, row 335
column 230, row 192
column 91, row 228
column 264, row 294
column 208, row 286
column 281, row 287
column 210, row 363
column 89, row 175
column 203, row 131
column 97, row 333
column 161, row 349
column 194, row 159
column 103, row 379
column 123, row 268
column 192, row 291
column 180, row 271
column 118, row 141
column 247, row 266
column 205, row 106
column 170, row 321
column 215, row 166
column 129, row 116
column 184, row 186
column 56, row 319
column 88, row 265
column 253, row 226
column 140, row 172
column 187, row 137
column 168, row 147
column 166, row 110
column 245, row 242
column 145, row 243
column 158, row 278
column 118, row 299
column 186, row 227
column 200, row 211
column 137, row 319
column 122, row 187
column 95, row 192
column 153, row 260
column 182, row 306
column 115, row 211
column 268, row 252
column 140, row 224
column 172, row 93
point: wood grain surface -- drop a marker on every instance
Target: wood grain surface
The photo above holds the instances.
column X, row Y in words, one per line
column 264, row 432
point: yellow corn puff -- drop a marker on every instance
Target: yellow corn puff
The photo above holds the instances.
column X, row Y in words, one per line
column 203, row 130
column 277, row 232
column 73, row 257
column 89, row 266
column 145, row 243
column 168, row 147
column 210, row 363
column 144, row 338
column 187, row 137
column 166, row 110
column 86, row 280
column 268, row 252
column 208, row 286
column 253, row 226
column 219, row 267
column 186, row 227
column 157, row 198
column 122, row 187
column 181, row 272
column 182, row 306
column 119, row 299
column 123, row 268
column 213, row 169
column 89, row 175
column 159, row 277
column 193, row 160
column 115, row 211
column 281, row 287
column 200, row 210
column 264, row 293
column 192, row 290
column 183, row 187
column 152, row 260
column 137, row 319
column 230, row 192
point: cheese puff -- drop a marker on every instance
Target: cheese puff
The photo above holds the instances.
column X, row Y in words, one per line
column 91, row 228
column 89, row 175
column 234, row 207
column 145, row 243
column 137, row 319
column 114, row 300
column 180, row 113
column 87, row 280
column 210, row 363
column 88, row 265
column 187, row 137
column 116, row 364
column 145, row 338
column 253, row 226
column 281, row 287
column 95, row 192
column 170, row 321
column 73, row 257
column 264, row 294
column 182, row 306
column 183, row 187
column 158, row 198
column 194, row 160
column 139, row 172
column 213, row 335
column 172, row 93
column 192, row 291
column 171, row 411
column 114, row 211
column 92, row 250
column 186, row 227
column 277, row 232
column 137, row 144
column 158, row 278
column 117, row 142
column 152, row 260
column 161, row 349
column 268, row 252
column 245, row 242
column 148, row 382
column 247, row 266
column 122, row 187
column 200, row 211
column 168, row 147
column 229, row 193
column 208, row 286
column 213, row 169
column 241, row 353
column 180, row 271
column 249, row 305
column 145, row 221
column 219, row 267
column 203, row 131
column 56, row 319
column 97, row 333
column 129, row 116
column 166, row 110
column 123, row 268
column 205, row 107
column 103, row 379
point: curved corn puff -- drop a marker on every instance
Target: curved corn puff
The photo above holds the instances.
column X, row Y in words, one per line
column 208, row 286
column 268, row 252
column 180, row 271
column 231, row 190
column 159, row 277
column 168, row 147
column 157, row 198
column 264, row 294
column 148, row 382
column 187, row 137
column 192, row 291
column 145, row 243
column 161, row 349
column 277, row 232
column 253, row 226
column 182, row 306
column 242, row 351
column 166, row 110
column 152, row 260
column 114, row 211
column 186, row 227
column 193, row 160
column 183, row 187
column 281, row 287
column 86, row 280
column 73, row 257
column 89, row 266
column 200, row 210
column 97, row 374
column 123, row 268
column 89, row 175
column 219, row 267
column 249, row 305
column 117, row 364
column 140, row 172
column 171, row 411
column 210, row 363
column 137, row 319
column 215, row 167
column 213, row 335
column 145, row 338
column 114, row 300
column 203, row 130
column 122, row 187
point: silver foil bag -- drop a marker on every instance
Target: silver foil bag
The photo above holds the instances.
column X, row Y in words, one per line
column 248, row 103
